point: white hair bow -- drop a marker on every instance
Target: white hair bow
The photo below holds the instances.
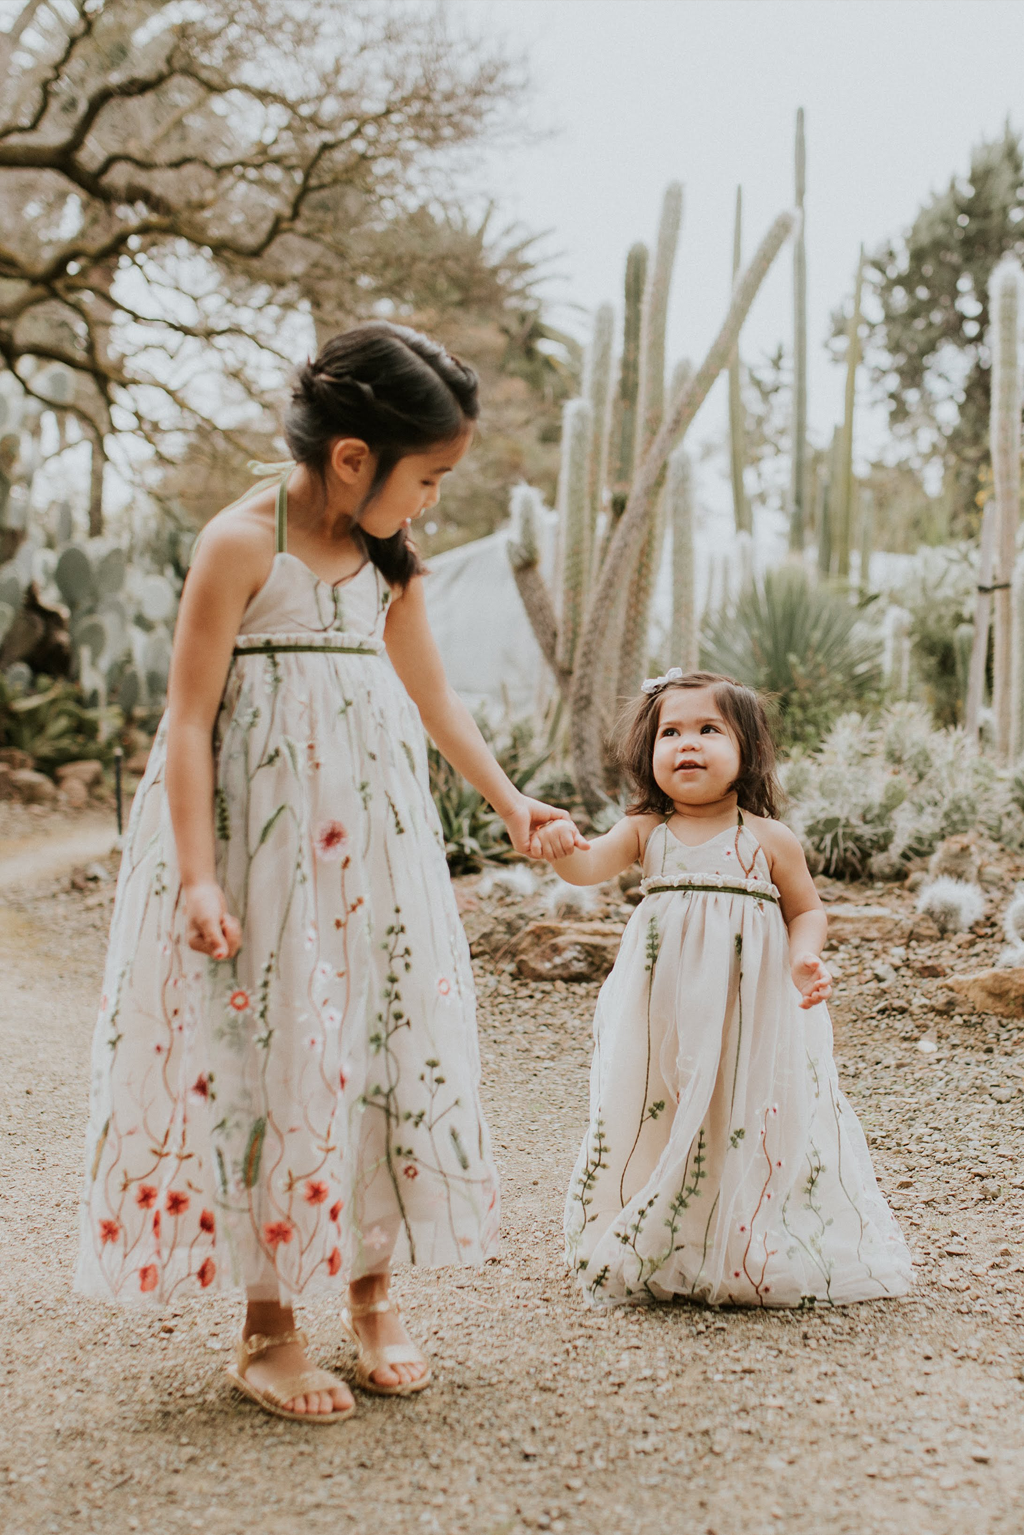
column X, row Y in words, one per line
column 655, row 684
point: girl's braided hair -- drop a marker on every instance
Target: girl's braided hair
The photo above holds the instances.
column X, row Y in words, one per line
column 757, row 788
column 395, row 390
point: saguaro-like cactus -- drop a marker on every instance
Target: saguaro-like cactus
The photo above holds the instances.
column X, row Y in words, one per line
column 624, row 412
column 1006, row 303
column 843, row 501
column 574, row 509
column 597, row 389
column 798, row 466
column 737, row 418
column 679, row 495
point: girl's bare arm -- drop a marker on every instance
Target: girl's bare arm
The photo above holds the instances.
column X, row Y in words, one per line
column 605, row 857
column 415, row 657
column 230, row 565
column 802, row 911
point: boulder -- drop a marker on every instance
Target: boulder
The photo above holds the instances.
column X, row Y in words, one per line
column 991, row 991
column 33, row 788
column 75, row 793
column 567, row 951
column 847, row 921
column 15, row 758
column 87, row 772
column 6, row 787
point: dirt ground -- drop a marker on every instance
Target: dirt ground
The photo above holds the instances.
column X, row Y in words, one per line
column 544, row 1414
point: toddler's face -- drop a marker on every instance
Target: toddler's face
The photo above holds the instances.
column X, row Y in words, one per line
column 696, row 753
column 412, row 488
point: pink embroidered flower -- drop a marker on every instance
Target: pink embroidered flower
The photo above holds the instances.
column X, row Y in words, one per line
column 315, row 1192
column 444, row 987
column 148, row 1277
column 176, row 1202
column 109, row 1231
column 145, row 1197
column 205, row 1272
column 336, row 1209
column 331, row 842
column 206, row 1221
column 239, row 1001
column 333, row 1261
column 276, row 1232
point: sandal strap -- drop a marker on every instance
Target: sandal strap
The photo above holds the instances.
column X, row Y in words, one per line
column 375, row 1307
column 306, row 1383
column 258, row 1343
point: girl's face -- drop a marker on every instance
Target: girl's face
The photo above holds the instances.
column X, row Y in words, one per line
column 412, row 488
column 696, row 752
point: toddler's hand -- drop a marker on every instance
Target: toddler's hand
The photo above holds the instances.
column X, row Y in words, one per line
column 811, row 979
column 211, row 927
column 555, row 840
column 528, row 817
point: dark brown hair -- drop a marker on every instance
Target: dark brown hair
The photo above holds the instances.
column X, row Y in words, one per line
column 757, row 788
column 395, row 390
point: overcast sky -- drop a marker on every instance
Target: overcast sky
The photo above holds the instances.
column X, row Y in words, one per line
column 638, row 92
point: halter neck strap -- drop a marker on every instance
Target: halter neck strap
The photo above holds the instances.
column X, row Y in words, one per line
column 281, row 518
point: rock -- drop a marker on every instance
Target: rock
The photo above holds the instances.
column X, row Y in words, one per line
column 87, row 772
column 846, row 922
column 928, row 969
column 75, row 793
column 634, row 895
column 15, row 758
column 567, row 951
column 137, row 763
column 6, row 787
column 956, row 857
column 33, row 788
column 495, row 940
column 991, row 991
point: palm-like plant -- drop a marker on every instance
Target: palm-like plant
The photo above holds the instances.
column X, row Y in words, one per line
column 802, row 646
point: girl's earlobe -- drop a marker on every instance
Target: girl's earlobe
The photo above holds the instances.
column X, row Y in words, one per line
column 349, row 457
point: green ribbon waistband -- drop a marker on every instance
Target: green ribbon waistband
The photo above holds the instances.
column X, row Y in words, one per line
column 659, row 886
column 271, row 648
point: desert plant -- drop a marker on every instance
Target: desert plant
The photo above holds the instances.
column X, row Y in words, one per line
column 473, row 833
column 798, row 458
column 842, row 500
column 954, row 905
column 1006, row 302
column 803, row 646
column 737, row 413
column 52, row 722
column 632, row 507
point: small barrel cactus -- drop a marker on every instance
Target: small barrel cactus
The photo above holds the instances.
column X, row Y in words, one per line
column 954, row 905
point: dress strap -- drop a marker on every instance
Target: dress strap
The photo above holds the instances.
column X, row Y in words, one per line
column 281, row 519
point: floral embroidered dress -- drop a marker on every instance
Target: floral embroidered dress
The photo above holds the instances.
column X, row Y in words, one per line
column 300, row 1115
column 722, row 1162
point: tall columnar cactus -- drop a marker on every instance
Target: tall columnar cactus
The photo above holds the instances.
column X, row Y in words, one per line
column 737, row 418
column 634, row 509
column 867, row 539
column 597, row 384
column 574, row 511
column 1017, row 667
column 624, row 412
column 843, row 519
column 829, row 476
column 982, row 620
column 683, row 648
column 798, row 464
column 1006, row 306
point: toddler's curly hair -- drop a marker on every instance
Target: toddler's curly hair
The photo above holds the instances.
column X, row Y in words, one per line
column 757, row 788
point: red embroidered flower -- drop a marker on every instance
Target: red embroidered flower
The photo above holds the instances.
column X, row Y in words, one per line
column 336, row 1209
column 156, row 1223
column 315, row 1191
column 206, row 1221
column 109, row 1231
column 148, row 1277
column 342, row 1080
column 239, row 1000
column 201, row 1085
column 331, row 842
column 276, row 1232
column 206, row 1271
column 333, row 1261
column 735, row 1273
column 409, row 1171
column 177, row 1202
column 145, row 1198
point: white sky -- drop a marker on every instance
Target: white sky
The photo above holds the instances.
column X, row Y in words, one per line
column 639, row 92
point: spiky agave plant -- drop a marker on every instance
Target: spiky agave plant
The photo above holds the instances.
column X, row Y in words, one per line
column 802, row 646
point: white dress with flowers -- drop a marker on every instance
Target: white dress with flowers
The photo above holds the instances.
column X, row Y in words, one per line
column 307, row 1112
column 722, row 1163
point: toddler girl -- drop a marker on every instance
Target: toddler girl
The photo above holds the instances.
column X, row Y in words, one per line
column 722, row 1162
column 285, row 1071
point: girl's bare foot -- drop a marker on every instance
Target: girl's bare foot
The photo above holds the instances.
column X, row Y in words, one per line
column 287, row 1361
column 380, row 1329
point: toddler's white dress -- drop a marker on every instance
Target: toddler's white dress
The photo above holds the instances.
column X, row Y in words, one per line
column 308, row 1111
column 722, row 1162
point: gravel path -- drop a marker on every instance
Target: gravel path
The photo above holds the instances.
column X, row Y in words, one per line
column 544, row 1414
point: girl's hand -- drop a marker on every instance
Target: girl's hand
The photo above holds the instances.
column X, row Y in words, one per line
column 525, row 820
column 811, row 979
column 555, row 840
column 211, row 927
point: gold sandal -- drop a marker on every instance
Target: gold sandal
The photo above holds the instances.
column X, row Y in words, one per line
column 273, row 1398
column 371, row 1359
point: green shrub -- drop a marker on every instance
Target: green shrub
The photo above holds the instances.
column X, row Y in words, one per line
column 52, row 722
column 471, row 829
column 805, row 648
